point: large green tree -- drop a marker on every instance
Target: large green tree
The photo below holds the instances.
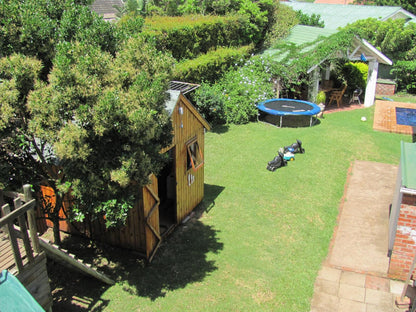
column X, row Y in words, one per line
column 94, row 130
column 34, row 28
column 92, row 124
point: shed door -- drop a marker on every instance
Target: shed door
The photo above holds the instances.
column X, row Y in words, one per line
column 151, row 214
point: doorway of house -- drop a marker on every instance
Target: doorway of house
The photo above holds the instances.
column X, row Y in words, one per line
column 167, row 195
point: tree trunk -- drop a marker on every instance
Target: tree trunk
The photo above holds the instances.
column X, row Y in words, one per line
column 56, row 232
column 55, row 219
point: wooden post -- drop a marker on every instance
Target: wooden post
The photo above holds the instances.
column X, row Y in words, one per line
column 370, row 89
column 13, row 239
column 23, row 229
column 31, row 218
column 1, row 200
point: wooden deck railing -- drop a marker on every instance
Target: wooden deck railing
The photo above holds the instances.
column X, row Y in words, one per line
column 23, row 205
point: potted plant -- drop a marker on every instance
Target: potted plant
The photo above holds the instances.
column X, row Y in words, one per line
column 320, row 100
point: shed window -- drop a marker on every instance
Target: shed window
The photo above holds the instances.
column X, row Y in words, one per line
column 195, row 160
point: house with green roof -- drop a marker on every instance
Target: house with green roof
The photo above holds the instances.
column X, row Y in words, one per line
column 340, row 15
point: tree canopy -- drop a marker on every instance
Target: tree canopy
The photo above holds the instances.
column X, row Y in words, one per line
column 34, row 28
column 397, row 39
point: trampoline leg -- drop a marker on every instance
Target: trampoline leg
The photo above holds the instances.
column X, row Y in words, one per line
column 280, row 121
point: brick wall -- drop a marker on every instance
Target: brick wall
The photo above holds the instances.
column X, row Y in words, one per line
column 404, row 248
column 385, row 88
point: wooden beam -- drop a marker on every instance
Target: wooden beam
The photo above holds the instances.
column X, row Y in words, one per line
column 58, row 254
column 16, row 213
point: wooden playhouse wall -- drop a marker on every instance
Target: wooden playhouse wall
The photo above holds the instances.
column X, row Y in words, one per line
column 131, row 235
column 190, row 183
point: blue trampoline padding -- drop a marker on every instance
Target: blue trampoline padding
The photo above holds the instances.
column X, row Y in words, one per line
column 14, row 297
column 283, row 107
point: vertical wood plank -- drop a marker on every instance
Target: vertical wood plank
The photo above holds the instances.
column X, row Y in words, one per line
column 31, row 218
column 13, row 239
column 1, row 201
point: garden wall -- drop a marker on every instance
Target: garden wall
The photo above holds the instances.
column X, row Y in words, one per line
column 404, row 249
column 385, row 87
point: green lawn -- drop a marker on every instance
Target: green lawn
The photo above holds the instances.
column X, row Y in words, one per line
column 401, row 97
column 261, row 236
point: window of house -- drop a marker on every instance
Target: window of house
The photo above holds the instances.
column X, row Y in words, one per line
column 195, row 159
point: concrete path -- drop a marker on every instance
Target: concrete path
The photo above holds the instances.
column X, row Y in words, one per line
column 353, row 278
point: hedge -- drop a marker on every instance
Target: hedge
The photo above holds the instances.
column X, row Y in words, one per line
column 212, row 65
column 188, row 36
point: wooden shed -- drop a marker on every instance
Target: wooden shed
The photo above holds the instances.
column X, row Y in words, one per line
column 171, row 196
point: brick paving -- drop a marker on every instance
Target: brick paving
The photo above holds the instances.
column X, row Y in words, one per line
column 385, row 117
column 353, row 278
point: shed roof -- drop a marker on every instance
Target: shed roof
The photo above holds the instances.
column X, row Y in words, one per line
column 298, row 36
column 408, row 165
column 301, row 35
column 340, row 15
column 173, row 99
column 334, row 1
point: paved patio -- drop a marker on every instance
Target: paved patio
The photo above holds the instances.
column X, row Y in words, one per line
column 353, row 278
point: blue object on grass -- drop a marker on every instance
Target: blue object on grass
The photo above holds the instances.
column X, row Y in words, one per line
column 283, row 107
column 387, row 99
column 287, row 107
column 14, row 297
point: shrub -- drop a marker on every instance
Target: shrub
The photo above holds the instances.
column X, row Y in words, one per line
column 321, row 97
column 406, row 75
column 310, row 20
column 355, row 75
column 283, row 21
column 238, row 92
column 210, row 103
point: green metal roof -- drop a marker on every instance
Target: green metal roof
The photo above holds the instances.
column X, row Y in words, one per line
column 339, row 15
column 300, row 35
column 408, row 165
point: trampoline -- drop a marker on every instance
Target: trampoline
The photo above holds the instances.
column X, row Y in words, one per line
column 289, row 107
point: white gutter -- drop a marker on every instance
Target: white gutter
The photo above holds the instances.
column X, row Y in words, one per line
column 407, row 191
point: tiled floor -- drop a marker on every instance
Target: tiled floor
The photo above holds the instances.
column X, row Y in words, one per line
column 337, row 290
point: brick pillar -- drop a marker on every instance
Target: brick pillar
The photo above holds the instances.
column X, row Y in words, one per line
column 404, row 248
